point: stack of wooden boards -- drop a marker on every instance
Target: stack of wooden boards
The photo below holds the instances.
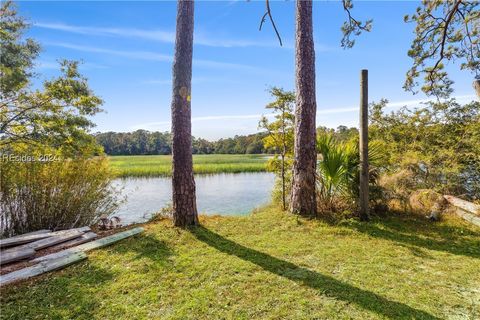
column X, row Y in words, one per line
column 69, row 246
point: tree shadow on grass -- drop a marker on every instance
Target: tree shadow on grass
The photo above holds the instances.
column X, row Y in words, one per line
column 71, row 292
column 145, row 246
column 428, row 235
column 327, row 285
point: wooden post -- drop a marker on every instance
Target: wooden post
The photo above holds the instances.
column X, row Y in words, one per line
column 364, row 145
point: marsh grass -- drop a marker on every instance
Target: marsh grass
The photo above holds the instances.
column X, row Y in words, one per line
column 160, row 165
column 269, row 265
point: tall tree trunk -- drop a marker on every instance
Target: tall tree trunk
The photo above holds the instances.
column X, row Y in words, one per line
column 303, row 199
column 363, row 147
column 284, row 205
column 183, row 183
column 284, row 152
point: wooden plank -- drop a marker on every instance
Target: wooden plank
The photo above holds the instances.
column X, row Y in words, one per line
column 33, row 232
column 468, row 216
column 56, row 255
column 42, row 267
column 82, row 229
column 86, row 237
column 37, row 235
column 91, row 245
column 109, row 240
column 15, row 241
column 464, row 205
column 51, row 241
column 8, row 256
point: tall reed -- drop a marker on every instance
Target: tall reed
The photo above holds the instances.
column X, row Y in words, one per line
column 54, row 195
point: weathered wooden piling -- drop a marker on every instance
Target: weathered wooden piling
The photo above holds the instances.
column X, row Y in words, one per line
column 363, row 148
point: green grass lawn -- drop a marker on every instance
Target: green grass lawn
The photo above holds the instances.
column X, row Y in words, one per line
column 161, row 165
column 268, row 265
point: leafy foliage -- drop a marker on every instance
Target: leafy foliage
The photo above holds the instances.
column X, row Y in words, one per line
column 445, row 30
column 280, row 131
column 16, row 57
column 352, row 27
column 48, row 178
column 436, row 146
column 56, row 116
column 340, row 134
column 338, row 172
column 143, row 142
column 280, row 135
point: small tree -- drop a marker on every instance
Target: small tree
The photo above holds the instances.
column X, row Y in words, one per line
column 280, row 131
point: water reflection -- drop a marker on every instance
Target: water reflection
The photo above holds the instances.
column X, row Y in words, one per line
column 225, row 194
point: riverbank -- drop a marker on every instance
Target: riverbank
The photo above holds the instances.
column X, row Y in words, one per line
column 268, row 265
column 161, row 165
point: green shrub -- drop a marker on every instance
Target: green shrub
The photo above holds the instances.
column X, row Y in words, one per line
column 54, row 195
column 338, row 174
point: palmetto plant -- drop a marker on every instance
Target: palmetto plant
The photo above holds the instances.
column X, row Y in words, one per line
column 338, row 171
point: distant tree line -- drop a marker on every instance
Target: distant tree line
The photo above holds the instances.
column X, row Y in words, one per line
column 143, row 142
column 135, row 143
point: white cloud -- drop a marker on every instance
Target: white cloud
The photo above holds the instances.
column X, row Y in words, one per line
column 148, row 55
column 156, row 35
column 398, row 104
column 195, row 80
column 55, row 65
column 143, row 55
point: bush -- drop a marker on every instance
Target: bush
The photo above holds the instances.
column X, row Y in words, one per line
column 274, row 165
column 398, row 186
column 54, row 195
column 426, row 201
column 338, row 175
column 277, row 187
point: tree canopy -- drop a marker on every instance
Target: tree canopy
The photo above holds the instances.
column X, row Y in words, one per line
column 57, row 115
column 445, row 30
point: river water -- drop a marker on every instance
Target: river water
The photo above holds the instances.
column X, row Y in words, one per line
column 224, row 194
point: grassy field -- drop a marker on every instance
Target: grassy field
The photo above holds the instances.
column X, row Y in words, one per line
column 268, row 265
column 161, row 165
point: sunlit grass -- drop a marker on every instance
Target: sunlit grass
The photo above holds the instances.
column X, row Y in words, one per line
column 269, row 265
column 160, row 165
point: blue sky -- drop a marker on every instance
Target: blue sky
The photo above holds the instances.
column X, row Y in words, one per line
column 127, row 50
